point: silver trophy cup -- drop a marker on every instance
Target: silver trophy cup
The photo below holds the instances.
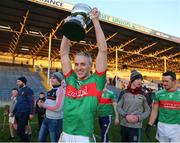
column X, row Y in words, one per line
column 74, row 27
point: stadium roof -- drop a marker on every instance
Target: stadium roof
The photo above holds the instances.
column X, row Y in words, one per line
column 25, row 27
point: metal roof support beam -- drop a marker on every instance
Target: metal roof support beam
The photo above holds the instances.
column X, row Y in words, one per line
column 17, row 36
column 142, row 49
column 125, row 56
column 125, row 44
column 175, row 66
column 157, row 53
column 137, row 60
column 171, row 56
column 175, row 60
column 55, row 53
column 150, row 64
column 153, row 61
column 87, row 31
column 111, row 36
column 154, row 55
column 92, row 47
column 146, row 47
column 113, row 49
column 42, row 43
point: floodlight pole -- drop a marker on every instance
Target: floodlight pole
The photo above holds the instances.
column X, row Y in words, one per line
column 33, row 62
column 165, row 64
column 116, row 64
column 13, row 59
column 49, row 60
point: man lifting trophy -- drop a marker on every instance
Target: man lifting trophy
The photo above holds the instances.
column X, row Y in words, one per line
column 75, row 25
column 83, row 88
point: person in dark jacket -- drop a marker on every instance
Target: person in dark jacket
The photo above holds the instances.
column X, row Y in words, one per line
column 40, row 111
column 23, row 110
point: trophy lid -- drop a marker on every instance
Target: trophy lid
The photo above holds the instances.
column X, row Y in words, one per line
column 81, row 8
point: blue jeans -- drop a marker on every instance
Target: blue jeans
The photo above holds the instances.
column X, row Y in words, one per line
column 51, row 126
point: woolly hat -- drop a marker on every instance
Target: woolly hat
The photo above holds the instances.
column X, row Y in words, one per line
column 23, row 79
column 135, row 75
column 59, row 76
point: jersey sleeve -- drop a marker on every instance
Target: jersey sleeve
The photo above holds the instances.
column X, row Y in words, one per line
column 100, row 78
column 71, row 76
column 156, row 98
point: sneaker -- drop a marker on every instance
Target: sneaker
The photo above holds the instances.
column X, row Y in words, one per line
column 11, row 137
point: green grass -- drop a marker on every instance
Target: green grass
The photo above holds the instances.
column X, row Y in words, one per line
column 4, row 135
column 114, row 132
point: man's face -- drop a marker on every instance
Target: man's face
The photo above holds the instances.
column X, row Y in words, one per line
column 82, row 67
column 14, row 93
column 20, row 83
column 137, row 83
column 168, row 82
column 54, row 81
column 41, row 96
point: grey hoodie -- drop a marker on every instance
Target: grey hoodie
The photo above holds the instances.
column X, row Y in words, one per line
column 135, row 105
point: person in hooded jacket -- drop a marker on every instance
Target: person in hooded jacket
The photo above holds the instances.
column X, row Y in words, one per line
column 52, row 123
column 133, row 109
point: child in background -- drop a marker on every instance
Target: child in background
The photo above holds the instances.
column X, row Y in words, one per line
column 40, row 111
column 12, row 122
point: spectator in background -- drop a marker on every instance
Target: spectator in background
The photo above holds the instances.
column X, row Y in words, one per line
column 133, row 109
column 167, row 103
column 52, row 123
column 115, row 81
column 160, row 86
column 5, row 114
column 110, row 86
column 23, row 110
column 12, row 122
column 106, row 106
column 40, row 111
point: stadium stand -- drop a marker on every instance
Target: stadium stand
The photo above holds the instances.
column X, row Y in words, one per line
column 8, row 77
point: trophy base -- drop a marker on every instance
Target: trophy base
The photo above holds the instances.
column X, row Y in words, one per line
column 73, row 30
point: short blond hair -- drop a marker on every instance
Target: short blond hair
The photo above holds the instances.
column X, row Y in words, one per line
column 85, row 54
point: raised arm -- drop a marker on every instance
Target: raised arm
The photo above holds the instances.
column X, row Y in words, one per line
column 64, row 54
column 101, row 60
